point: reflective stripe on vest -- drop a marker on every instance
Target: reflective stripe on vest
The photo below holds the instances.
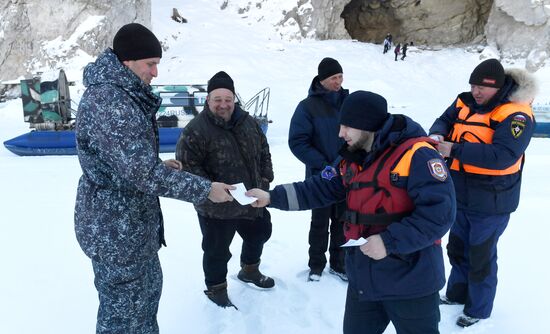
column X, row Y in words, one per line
column 372, row 198
column 479, row 128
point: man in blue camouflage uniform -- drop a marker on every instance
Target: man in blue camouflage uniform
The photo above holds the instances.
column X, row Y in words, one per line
column 118, row 220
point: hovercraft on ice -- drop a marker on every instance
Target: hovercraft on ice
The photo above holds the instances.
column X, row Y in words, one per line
column 47, row 107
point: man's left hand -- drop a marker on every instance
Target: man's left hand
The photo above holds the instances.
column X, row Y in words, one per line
column 374, row 248
column 173, row 163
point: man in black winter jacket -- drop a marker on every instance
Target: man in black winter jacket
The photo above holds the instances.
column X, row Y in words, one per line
column 225, row 143
column 313, row 138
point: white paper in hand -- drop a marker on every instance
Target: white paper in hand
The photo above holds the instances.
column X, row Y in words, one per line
column 239, row 195
column 353, row 242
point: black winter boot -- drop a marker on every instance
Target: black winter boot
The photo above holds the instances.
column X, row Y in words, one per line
column 341, row 273
column 315, row 275
column 250, row 273
column 218, row 294
column 466, row 321
column 444, row 300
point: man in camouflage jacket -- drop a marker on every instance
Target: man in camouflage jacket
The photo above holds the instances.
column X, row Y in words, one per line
column 225, row 144
column 118, row 220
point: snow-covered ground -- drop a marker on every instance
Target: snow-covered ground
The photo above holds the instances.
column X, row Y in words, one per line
column 46, row 282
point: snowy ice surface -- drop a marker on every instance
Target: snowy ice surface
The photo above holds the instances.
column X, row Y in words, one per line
column 46, row 282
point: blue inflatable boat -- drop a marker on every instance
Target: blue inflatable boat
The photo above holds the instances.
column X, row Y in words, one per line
column 63, row 142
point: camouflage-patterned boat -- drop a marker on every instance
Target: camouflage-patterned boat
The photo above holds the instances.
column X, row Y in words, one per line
column 47, row 109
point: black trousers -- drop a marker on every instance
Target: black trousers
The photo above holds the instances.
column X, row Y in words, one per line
column 409, row 316
column 327, row 230
column 217, row 235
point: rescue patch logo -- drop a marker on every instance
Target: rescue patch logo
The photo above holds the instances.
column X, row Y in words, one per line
column 328, row 173
column 438, row 169
column 518, row 125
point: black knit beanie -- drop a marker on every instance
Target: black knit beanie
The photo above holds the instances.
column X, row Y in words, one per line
column 328, row 67
column 220, row 80
column 488, row 73
column 134, row 42
column 364, row 111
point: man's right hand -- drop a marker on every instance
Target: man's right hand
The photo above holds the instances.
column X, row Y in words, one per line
column 219, row 192
column 263, row 198
column 445, row 148
column 437, row 138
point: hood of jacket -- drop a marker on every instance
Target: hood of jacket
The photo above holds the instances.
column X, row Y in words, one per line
column 108, row 70
column 519, row 87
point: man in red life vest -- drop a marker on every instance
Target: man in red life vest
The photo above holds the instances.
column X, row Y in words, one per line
column 400, row 198
column 483, row 135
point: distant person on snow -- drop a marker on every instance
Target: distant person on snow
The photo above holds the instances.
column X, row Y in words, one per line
column 404, row 51
column 387, row 44
column 118, row 221
column 400, row 198
column 225, row 144
column 313, row 138
column 397, row 50
column 484, row 135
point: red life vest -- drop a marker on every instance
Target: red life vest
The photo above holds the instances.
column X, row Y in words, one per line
column 373, row 201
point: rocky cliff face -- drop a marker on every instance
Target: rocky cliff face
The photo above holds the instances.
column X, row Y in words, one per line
column 422, row 21
column 513, row 28
column 521, row 28
column 32, row 32
column 328, row 23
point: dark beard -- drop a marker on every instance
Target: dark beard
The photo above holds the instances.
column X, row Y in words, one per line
column 364, row 143
column 357, row 156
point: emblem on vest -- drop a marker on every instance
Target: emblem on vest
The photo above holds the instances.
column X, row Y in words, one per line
column 518, row 125
column 328, row 173
column 437, row 169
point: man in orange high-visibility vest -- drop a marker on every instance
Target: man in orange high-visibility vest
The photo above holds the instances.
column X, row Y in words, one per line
column 483, row 135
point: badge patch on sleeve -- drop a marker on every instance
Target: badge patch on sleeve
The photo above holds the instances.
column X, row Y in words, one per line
column 438, row 169
column 518, row 125
column 328, row 173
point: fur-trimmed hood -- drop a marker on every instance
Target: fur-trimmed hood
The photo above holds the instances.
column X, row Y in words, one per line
column 527, row 86
column 519, row 87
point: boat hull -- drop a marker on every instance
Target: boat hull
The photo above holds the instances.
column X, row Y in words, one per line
column 64, row 143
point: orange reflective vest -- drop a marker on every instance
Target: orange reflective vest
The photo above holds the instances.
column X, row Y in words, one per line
column 472, row 127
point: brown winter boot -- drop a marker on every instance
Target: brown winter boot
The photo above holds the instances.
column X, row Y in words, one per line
column 218, row 294
column 250, row 273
